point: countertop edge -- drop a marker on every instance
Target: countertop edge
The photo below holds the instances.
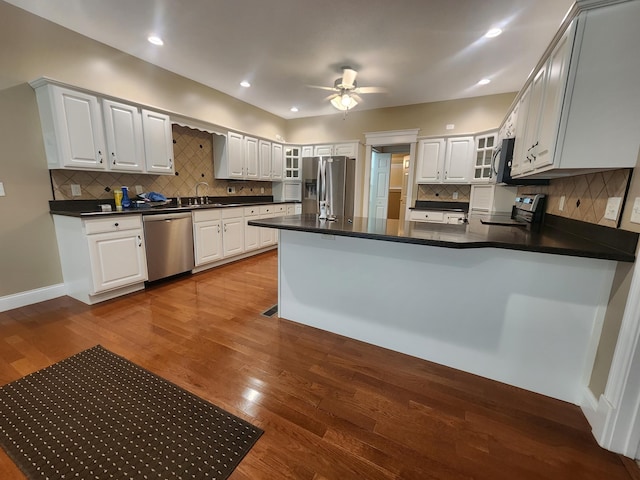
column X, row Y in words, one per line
column 599, row 253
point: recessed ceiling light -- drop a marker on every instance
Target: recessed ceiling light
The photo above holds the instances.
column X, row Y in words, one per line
column 155, row 40
column 245, row 84
column 484, row 81
column 294, row 109
column 494, row 32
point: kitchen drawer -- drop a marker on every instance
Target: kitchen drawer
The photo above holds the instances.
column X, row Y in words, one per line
column 113, row 223
column 267, row 209
column 232, row 212
column 426, row 216
column 207, row 215
column 282, row 208
column 251, row 211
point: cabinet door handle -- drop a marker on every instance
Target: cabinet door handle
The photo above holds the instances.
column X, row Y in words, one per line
column 218, row 228
column 225, row 227
column 100, row 156
column 113, row 154
column 139, row 241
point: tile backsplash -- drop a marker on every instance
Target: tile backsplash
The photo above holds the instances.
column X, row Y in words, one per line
column 193, row 152
column 444, row 193
column 585, row 195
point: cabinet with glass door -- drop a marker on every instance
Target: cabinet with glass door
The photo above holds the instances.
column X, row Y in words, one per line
column 292, row 164
column 482, row 167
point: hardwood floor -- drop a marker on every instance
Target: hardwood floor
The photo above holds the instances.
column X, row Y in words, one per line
column 331, row 407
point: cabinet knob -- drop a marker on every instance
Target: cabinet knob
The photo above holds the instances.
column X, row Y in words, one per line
column 116, row 224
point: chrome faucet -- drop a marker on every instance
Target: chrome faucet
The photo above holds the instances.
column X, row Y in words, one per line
column 202, row 201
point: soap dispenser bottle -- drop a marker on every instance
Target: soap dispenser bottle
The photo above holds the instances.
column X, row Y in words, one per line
column 126, row 202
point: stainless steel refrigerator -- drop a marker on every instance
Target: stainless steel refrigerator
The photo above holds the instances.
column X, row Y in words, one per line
column 328, row 186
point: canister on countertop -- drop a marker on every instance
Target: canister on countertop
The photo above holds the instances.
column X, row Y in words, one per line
column 126, row 202
column 117, row 195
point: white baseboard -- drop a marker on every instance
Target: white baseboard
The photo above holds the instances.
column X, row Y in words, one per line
column 597, row 412
column 29, row 297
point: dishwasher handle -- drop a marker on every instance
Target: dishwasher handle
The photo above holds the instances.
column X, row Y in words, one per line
column 165, row 216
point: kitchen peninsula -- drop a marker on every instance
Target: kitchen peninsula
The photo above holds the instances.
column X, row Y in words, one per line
column 514, row 305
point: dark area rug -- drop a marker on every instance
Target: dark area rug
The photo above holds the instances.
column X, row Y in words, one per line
column 96, row 415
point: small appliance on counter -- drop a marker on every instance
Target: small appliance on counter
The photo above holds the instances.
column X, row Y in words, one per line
column 528, row 210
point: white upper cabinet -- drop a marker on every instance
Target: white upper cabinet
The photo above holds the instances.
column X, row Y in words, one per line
column 339, row 149
column 458, row 157
column 583, row 102
column 482, row 171
column 443, row 160
column 84, row 131
column 277, row 161
column 236, row 155
column 251, row 155
column 125, row 143
column 323, row 150
column 307, row 151
column 158, row 142
column 72, row 128
column 430, row 160
column 292, row 159
column 265, row 159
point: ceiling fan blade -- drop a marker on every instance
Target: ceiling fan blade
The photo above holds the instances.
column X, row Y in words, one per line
column 356, row 97
column 330, row 89
column 331, row 97
column 371, row 90
column 348, row 77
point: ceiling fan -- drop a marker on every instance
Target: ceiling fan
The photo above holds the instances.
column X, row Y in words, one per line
column 346, row 90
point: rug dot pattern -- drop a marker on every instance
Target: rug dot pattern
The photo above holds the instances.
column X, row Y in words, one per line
column 96, row 415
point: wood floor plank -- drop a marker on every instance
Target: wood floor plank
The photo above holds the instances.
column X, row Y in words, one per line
column 332, row 407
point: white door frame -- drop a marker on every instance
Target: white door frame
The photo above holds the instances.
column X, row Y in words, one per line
column 617, row 417
column 381, row 139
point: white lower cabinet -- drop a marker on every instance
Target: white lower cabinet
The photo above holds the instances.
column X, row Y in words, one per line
column 251, row 233
column 207, row 236
column 436, row 216
column 232, row 232
column 267, row 235
column 101, row 258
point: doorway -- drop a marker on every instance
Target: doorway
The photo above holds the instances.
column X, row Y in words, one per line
column 389, row 180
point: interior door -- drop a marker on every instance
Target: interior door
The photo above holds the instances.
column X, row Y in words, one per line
column 379, row 187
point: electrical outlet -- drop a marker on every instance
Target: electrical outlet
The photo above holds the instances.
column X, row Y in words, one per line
column 261, row 189
column 635, row 213
column 561, row 203
column 450, row 126
column 613, row 208
column 76, row 191
column 138, row 189
column 2, row 194
column 455, row 195
column 231, row 189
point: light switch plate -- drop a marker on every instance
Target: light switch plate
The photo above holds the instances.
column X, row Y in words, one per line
column 450, row 126
column 635, row 213
column 613, row 208
column 2, row 194
column 455, row 195
column 561, row 203
column 76, row 191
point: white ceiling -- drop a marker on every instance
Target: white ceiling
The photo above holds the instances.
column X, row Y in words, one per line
column 419, row 50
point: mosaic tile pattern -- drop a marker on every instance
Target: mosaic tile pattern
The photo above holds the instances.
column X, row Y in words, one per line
column 444, row 193
column 585, row 195
column 193, row 151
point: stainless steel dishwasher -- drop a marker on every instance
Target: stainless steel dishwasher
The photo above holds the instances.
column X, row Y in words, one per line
column 168, row 239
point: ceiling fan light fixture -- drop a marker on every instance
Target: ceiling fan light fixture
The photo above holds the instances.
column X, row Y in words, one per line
column 494, row 32
column 344, row 102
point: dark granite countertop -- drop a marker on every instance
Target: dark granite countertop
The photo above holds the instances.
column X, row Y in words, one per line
column 474, row 234
column 91, row 208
